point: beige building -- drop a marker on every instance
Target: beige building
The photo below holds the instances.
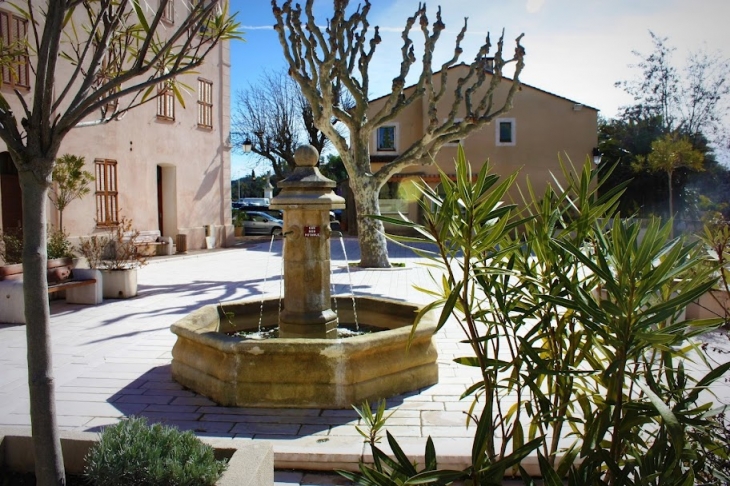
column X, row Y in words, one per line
column 529, row 138
column 164, row 166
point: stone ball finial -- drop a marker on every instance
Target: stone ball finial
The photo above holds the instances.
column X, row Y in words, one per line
column 306, row 156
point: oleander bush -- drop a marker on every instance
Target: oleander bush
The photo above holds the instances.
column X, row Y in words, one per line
column 574, row 318
column 135, row 453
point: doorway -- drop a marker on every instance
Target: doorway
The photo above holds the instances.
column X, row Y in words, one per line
column 11, row 198
column 167, row 200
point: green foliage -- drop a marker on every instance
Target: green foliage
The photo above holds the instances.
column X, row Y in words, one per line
column 688, row 102
column 238, row 217
column 58, row 245
column 668, row 154
column 11, row 246
column 132, row 452
column 573, row 315
column 334, row 168
column 401, row 471
column 248, row 186
column 374, row 422
column 71, row 182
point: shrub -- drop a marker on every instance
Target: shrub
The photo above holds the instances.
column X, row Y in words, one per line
column 133, row 452
column 115, row 250
column 58, row 245
column 11, row 247
column 573, row 315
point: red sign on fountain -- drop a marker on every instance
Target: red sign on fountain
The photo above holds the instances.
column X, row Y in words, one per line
column 311, row 231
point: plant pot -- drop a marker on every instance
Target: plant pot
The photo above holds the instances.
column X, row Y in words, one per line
column 210, row 242
column 119, row 284
column 238, row 231
column 59, row 269
column 13, row 271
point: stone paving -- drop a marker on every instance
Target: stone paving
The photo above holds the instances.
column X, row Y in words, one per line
column 113, row 360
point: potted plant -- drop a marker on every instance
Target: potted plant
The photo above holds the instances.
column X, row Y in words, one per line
column 238, row 222
column 116, row 256
column 58, row 249
column 60, row 256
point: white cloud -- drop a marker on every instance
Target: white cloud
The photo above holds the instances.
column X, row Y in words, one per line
column 534, row 6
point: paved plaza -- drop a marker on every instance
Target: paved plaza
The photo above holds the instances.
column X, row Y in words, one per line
column 113, row 360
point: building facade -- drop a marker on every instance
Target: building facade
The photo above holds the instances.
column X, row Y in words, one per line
column 529, row 139
column 164, row 166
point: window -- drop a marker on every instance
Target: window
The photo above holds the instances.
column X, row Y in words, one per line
column 208, row 24
column 506, row 132
column 13, row 30
column 107, row 207
column 165, row 102
column 386, row 137
column 205, row 103
column 168, row 13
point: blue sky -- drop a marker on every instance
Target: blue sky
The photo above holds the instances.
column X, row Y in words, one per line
column 575, row 48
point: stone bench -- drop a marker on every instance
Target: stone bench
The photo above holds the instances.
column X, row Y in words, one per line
column 84, row 287
column 151, row 243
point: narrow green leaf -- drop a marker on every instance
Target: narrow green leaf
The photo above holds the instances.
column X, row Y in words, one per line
column 549, row 476
column 140, row 16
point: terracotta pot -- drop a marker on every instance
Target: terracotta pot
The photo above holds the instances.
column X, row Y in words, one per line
column 14, row 271
column 59, row 269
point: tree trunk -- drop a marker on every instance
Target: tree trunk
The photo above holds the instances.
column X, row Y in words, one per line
column 370, row 231
column 46, row 441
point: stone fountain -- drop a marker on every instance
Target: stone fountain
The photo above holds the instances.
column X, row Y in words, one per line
column 308, row 365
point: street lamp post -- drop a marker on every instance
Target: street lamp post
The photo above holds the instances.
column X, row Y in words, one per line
column 247, row 145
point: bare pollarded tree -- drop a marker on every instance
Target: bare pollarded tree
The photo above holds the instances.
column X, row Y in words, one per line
column 340, row 54
column 276, row 117
column 90, row 61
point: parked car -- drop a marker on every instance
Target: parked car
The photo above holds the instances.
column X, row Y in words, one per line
column 260, row 223
column 276, row 213
column 255, row 201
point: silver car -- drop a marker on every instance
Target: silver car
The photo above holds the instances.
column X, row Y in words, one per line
column 260, row 223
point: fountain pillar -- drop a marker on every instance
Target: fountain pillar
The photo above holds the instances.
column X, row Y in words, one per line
column 306, row 199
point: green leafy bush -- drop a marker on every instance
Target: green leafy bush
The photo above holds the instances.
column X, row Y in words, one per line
column 574, row 318
column 58, row 245
column 133, row 452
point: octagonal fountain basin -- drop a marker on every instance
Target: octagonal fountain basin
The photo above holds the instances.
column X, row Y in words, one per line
column 304, row 373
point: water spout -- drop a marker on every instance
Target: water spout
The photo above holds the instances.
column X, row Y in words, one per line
column 349, row 278
column 263, row 287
